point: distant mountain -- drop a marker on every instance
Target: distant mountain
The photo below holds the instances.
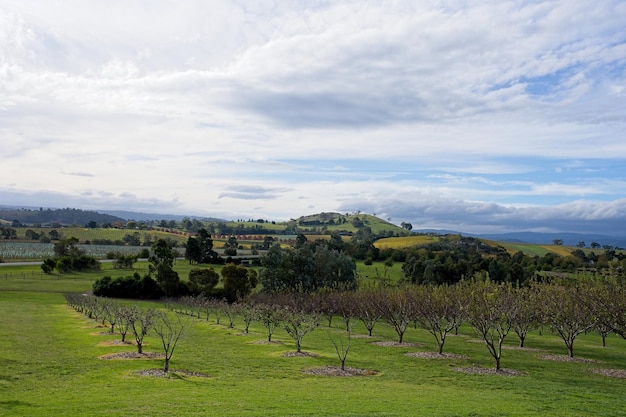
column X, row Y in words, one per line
column 569, row 239
column 144, row 217
column 64, row 216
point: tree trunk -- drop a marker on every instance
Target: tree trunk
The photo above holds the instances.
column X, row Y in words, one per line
column 166, row 365
column 139, row 347
column 521, row 341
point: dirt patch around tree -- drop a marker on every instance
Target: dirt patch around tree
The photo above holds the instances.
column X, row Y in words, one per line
column 526, row 349
column 104, row 334
column 397, row 344
column 300, row 355
column 337, row 371
column 133, row 355
column 116, row 343
column 266, row 342
column 476, row 370
column 435, row 355
column 612, row 373
column 565, row 358
column 158, row 373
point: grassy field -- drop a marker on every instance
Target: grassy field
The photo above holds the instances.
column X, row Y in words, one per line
column 404, row 241
column 51, row 366
column 83, row 234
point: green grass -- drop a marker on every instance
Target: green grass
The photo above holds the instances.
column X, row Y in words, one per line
column 50, row 366
column 83, row 234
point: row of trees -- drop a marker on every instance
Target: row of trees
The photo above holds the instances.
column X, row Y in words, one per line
column 136, row 321
column 494, row 310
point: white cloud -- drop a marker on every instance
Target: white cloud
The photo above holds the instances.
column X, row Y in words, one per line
column 322, row 104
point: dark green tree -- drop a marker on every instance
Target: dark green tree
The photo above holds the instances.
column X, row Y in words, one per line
column 203, row 281
column 162, row 265
column 238, row 281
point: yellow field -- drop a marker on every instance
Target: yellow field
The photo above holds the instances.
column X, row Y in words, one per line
column 404, row 242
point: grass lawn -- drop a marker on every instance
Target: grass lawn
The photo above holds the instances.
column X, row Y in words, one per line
column 50, row 366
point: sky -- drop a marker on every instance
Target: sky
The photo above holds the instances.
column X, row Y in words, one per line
column 476, row 116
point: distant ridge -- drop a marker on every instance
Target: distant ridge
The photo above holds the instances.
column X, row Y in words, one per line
column 142, row 217
column 538, row 238
column 64, row 216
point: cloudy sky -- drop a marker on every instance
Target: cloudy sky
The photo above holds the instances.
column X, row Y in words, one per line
column 478, row 116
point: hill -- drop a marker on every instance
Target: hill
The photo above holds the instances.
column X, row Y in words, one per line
column 66, row 216
column 347, row 223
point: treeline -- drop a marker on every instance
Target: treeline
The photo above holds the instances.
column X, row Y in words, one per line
column 454, row 259
column 68, row 257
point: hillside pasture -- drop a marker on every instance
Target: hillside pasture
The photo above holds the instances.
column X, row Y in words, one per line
column 405, row 241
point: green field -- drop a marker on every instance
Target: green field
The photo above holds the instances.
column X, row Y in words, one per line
column 51, row 366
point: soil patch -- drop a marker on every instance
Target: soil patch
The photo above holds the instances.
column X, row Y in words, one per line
column 565, row 358
column 613, row 373
column 396, row 344
column 337, row 371
column 265, row 342
column 521, row 348
column 104, row 334
column 300, row 355
column 115, row 343
column 133, row 355
column 475, row 370
column 158, row 373
column 435, row 355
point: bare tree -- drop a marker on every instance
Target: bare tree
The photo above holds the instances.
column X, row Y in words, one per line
column 438, row 311
column 270, row 317
column 231, row 311
column 397, row 308
column 608, row 301
column 368, row 310
column 342, row 346
column 567, row 311
column 141, row 321
column 110, row 313
column 528, row 314
column 171, row 329
column 491, row 311
column 346, row 306
column 297, row 323
column 248, row 314
column 124, row 321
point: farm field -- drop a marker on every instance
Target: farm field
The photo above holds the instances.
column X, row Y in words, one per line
column 404, row 241
column 83, row 234
column 52, row 366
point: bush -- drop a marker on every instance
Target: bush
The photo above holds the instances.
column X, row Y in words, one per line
column 133, row 286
